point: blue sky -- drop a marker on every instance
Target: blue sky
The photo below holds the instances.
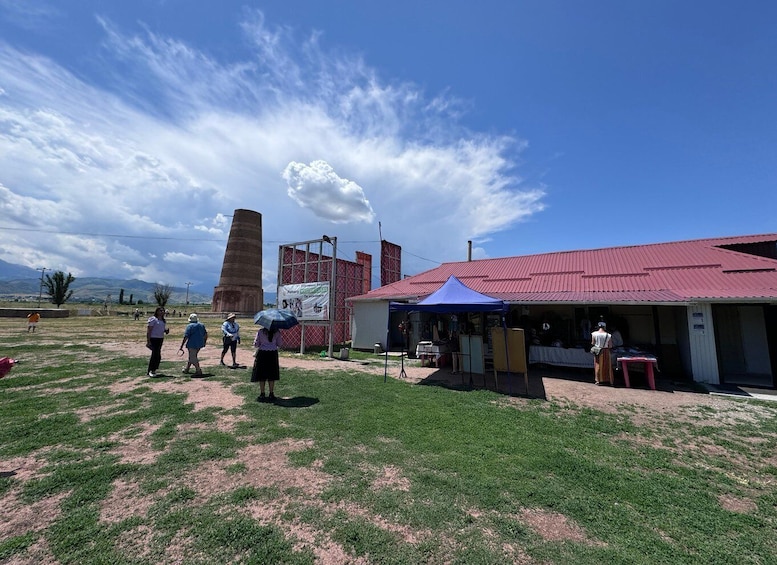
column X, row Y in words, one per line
column 130, row 131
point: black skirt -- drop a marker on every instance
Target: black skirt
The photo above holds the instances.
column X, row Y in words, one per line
column 266, row 366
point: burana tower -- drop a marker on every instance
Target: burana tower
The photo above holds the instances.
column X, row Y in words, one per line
column 240, row 285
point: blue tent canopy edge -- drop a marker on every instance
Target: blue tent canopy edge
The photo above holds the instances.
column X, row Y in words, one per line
column 453, row 296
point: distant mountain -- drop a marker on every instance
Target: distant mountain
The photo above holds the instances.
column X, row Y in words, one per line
column 22, row 283
column 89, row 289
column 98, row 290
column 10, row 271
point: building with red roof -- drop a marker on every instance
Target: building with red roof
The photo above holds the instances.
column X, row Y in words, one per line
column 706, row 308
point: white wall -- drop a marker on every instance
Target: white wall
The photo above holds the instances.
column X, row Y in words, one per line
column 369, row 322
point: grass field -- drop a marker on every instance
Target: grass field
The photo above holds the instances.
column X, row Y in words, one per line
column 99, row 464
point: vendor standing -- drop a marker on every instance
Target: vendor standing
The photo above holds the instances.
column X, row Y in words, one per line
column 602, row 360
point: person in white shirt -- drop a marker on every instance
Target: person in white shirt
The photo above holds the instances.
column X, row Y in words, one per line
column 155, row 335
column 602, row 360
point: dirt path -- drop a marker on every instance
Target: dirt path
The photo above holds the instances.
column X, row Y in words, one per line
column 542, row 383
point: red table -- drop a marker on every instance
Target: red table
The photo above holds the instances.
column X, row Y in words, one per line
column 647, row 361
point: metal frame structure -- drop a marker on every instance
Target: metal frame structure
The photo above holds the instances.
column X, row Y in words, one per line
column 313, row 266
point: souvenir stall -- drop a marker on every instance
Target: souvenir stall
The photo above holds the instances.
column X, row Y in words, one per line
column 454, row 297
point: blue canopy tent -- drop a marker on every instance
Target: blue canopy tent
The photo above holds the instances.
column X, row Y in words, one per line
column 451, row 298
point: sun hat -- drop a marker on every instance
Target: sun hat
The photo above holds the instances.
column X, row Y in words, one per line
column 231, row 316
column 193, row 318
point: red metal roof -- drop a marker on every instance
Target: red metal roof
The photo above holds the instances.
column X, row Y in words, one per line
column 722, row 269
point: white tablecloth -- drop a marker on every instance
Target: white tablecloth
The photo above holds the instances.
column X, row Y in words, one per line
column 424, row 348
column 572, row 357
column 431, row 352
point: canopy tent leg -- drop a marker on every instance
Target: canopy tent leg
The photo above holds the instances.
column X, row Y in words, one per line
column 507, row 357
column 388, row 345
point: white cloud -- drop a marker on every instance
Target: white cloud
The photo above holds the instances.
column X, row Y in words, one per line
column 318, row 187
column 141, row 173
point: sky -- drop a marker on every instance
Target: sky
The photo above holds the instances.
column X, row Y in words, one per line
column 131, row 131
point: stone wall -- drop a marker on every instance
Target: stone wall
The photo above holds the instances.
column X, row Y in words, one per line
column 44, row 312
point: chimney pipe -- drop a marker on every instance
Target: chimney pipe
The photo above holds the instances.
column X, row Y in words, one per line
column 469, row 250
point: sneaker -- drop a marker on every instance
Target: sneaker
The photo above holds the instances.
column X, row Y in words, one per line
column 235, row 365
column 197, row 373
column 261, row 398
column 222, row 362
column 184, row 370
column 151, row 374
column 272, row 396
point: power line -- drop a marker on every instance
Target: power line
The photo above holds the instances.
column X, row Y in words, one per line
column 171, row 238
column 92, row 234
column 127, row 236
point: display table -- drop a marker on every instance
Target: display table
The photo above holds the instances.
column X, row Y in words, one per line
column 572, row 357
column 647, row 361
column 432, row 353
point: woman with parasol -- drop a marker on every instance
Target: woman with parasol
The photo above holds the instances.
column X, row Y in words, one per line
column 267, row 342
column 266, row 368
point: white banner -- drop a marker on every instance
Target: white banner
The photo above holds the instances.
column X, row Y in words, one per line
column 308, row 301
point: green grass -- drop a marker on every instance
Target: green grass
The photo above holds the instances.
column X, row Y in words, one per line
column 468, row 464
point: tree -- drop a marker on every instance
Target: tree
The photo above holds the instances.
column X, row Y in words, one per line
column 162, row 294
column 57, row 286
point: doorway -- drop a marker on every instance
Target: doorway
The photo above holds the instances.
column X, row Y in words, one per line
column 742, row 339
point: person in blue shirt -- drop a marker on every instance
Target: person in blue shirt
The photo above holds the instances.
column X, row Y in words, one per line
column 195, row 337
column 231, row 335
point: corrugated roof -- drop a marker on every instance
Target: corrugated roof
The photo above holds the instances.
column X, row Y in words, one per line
column 724, row 269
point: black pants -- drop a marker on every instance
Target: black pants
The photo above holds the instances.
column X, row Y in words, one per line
column 229, row 343
column 156, row 354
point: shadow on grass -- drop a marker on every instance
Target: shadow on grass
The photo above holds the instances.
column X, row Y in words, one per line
column 294, row 402
column 182, row 375
column 515, row 384
column 509, row 384
column 664, row 382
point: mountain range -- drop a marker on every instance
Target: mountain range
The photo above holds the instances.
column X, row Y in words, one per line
column 18, row 282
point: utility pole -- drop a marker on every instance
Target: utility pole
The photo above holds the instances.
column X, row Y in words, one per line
column 332, row 292
column 187, row 293
column 40, row 289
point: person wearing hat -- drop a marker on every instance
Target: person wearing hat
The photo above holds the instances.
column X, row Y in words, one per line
column 602, row 360
column 195, row 337
column 231, row 332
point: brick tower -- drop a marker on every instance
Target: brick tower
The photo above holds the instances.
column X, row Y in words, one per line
column 240, row 286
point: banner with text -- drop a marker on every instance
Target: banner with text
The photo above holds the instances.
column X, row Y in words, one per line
column 307, row 301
